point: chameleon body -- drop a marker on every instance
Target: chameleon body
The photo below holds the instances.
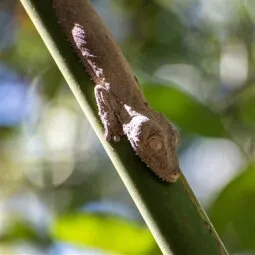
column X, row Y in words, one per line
column 122, row 106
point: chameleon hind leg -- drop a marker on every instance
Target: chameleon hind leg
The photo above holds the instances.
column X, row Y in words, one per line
column 106, row 103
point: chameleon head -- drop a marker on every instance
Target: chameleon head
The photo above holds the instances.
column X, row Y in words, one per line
column 155, row 141
column 163, row 158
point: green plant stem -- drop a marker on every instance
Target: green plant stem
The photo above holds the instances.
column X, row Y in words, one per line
column 171, row 211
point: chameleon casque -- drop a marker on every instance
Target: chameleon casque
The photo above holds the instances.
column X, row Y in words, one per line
column 122, row 106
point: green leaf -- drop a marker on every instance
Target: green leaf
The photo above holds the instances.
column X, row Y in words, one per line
column 184, row 110
column 245, row 105
column 104, row 232
column 233, row 211
column 20, row 231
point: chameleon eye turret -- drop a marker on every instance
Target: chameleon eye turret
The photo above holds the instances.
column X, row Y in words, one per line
column 155, row 143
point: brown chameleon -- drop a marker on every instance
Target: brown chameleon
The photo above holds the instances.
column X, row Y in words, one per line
column 122, row 106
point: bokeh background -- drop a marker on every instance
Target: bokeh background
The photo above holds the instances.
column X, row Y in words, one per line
column 59, row 193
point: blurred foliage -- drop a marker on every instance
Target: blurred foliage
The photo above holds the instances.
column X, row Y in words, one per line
column 103, row 232
column 233, row 210
column 21, row 231
column 195, row 61
column 177, row 105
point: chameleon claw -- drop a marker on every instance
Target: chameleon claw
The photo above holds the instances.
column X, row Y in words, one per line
column 107, row 136
column 116, row 138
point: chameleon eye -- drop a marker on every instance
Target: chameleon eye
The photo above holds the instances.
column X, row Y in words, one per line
column 155, row 143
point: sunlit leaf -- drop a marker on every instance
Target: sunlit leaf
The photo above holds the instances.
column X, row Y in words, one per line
column 104, row 232
column 184, row 110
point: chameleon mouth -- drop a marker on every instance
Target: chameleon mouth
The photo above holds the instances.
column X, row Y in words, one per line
column 166, row 175
column 172, row 177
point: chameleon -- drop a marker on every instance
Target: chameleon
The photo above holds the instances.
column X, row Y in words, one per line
column 122, row 106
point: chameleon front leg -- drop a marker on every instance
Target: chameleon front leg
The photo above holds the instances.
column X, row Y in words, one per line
column 107, row 105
